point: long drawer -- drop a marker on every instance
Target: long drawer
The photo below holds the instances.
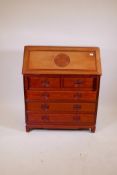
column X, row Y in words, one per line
column 64, row 118
column 61, row 95
column 61, row 107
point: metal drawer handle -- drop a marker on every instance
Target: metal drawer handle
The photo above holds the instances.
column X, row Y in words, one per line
column 44, row 107
column 76, row 117
column 77, row 106
column 77, row 95
column 45, row 83
column 45, row 118
column 78, row 82
column 45, row 96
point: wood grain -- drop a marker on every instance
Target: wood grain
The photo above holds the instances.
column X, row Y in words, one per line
column 40, row 60
column 57, row 118
column 61, row 107
column 62, row 93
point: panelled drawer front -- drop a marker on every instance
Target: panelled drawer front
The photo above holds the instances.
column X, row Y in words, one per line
column 57, row 118
column 86, row 83
column 61, row 95
column 61, row 107
column 43, row 82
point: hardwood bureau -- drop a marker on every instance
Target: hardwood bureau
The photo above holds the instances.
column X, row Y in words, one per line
column 61, row 87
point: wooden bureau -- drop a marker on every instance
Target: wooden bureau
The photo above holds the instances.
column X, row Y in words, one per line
column 61, row 87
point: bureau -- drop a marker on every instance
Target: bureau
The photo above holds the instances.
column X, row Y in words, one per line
column 61, row 87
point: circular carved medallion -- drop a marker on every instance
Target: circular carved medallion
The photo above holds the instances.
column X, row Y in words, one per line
column 62, row 60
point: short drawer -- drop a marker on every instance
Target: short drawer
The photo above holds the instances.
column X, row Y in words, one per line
column 57, row 118
column 61, row 107
column 82, row 82
column 61, row 95
column 43, row 82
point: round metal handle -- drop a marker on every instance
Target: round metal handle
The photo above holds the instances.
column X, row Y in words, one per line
column 77, row 95
column 76, row 117
column 78, row 82
column 45, row 83
column 45, row 96
column 45, row 117
column 77, row 106
column 44, row 107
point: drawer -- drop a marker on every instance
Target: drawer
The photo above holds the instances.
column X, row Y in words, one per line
column 57, row 118
column 78, row 83
column 43, row 82
column 61, row 107
column 61, row 95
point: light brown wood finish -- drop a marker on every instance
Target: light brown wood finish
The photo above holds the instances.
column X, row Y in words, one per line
column 61, row 87
column 40, row 59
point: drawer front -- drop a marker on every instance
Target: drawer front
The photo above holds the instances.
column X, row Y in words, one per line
column 60, row 95
column 43, row 82
column 61, row 107
column 57, row 118
column 78, row 83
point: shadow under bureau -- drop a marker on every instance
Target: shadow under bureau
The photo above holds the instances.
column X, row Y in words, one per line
column 61, row 87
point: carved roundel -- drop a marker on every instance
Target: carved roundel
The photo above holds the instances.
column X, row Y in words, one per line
column 62, row 60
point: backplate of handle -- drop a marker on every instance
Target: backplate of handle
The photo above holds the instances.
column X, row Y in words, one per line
column 45, row 83
column 76, row 117
column 44, row 107
column 78, row 82
column 76, row 106
column 45, row 95
column 77, row 95
column 45, row 117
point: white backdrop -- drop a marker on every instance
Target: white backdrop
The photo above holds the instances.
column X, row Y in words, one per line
column 57, row 22
column 52, row 22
